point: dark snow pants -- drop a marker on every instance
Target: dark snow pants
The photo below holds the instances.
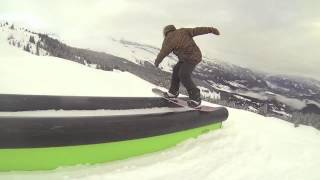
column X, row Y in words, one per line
column 182, row 72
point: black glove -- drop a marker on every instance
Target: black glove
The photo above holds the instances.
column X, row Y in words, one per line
column 156, row 63
column 216, row 31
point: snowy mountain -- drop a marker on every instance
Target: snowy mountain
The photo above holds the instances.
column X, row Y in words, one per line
column 249, row 146
column 23, row 39
column 231, row 78
column 220, row 82
column 255, row 91
column 24, row 73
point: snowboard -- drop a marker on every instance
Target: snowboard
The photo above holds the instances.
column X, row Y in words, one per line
column 183, row 103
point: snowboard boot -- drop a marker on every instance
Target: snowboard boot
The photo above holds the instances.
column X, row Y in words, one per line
column 194, row 104
column 170, row 95
column 195, row 99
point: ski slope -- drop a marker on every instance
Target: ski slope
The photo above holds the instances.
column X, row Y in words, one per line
column 249, row 147
column 24, row 73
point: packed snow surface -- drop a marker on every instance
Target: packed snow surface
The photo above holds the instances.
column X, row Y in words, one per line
column 248, row 147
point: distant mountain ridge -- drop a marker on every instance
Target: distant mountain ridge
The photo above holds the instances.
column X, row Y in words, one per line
column 236, row 77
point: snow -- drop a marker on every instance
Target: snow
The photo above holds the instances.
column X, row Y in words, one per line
column 253, row 94
column 252, row 109
column 274, row 86
column 220, row 86
column 269, row 93
column 138, row 53
column 313, row 102
column 295, row 103
column 282, row 113
column 24, row 73
column 77, row 113
column 206, row 93
column 88, row 64
column 248, row 147
column 242, row 98
column 292, row 102
column 19, row 37
column 236, row 84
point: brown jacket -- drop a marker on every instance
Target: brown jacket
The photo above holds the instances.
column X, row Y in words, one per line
column 182, row 44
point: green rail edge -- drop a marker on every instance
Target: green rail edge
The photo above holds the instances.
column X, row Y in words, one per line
column 30, row 159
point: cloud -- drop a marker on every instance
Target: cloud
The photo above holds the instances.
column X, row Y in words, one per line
column 269, row 35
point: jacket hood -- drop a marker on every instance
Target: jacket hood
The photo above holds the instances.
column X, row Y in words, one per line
column 168, row 29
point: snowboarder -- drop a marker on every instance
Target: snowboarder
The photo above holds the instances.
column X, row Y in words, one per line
column 181, row 43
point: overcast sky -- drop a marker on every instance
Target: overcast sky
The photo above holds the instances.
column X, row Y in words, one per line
column 276, row 36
